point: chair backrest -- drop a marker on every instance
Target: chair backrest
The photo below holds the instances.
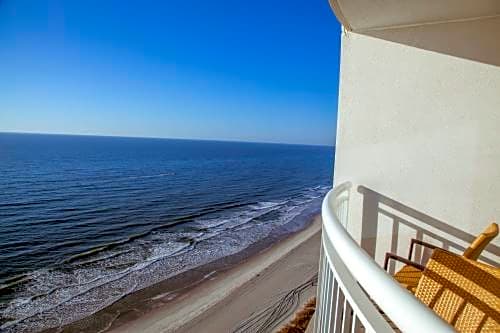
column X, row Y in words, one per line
column 477, row 246
column 463, row 292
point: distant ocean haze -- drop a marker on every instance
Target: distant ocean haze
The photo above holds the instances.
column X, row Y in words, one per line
column 85, row 220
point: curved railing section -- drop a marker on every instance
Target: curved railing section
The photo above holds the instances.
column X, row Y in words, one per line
column 354, row 293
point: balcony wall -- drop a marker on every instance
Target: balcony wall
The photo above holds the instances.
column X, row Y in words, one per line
column 418, row 129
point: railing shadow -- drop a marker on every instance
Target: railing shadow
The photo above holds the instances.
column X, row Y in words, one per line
column 375, row 204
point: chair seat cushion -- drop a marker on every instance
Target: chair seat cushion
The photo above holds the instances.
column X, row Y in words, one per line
column 463, row 292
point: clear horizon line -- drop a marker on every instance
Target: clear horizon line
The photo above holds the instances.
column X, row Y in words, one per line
column 168, row 138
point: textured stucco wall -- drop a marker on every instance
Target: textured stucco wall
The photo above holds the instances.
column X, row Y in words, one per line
column 421, row 127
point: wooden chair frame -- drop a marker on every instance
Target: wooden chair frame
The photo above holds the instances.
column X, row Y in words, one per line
column 408, row 261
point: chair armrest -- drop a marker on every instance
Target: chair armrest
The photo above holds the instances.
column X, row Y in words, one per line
column 421, row 243
column 393, row 256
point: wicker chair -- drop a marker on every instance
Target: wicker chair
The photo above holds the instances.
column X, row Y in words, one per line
column 464, row 292
column 409, row 275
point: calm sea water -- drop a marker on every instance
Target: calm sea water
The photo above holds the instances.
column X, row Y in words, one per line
column 86, row 220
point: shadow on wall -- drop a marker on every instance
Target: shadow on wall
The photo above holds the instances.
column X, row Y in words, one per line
column 376, row 205
column 475, row 40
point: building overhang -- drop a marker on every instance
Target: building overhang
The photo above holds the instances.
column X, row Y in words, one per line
column 366, row 15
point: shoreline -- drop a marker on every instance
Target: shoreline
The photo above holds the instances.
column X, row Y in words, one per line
column 167, row 299
column 280, row 282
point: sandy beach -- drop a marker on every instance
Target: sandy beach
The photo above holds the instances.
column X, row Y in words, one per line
column 240, row 299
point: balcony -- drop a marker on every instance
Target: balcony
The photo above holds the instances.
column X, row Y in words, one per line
column 354, row 293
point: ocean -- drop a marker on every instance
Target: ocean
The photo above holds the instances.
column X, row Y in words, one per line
column 86, row 220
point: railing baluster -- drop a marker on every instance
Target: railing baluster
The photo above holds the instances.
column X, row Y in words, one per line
column 326, row 269
column 354, row 321
column 333, row 301
column 319, row 297
column 339, row 311
column 347, row 317
column 328, row 287
column 325, row 293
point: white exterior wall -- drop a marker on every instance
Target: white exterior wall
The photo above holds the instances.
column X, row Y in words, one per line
column 422, row 126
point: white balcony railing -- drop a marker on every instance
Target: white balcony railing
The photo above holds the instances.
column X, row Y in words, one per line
column 354, row 291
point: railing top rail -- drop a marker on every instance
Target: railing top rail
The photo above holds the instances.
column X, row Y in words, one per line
column 404, row 309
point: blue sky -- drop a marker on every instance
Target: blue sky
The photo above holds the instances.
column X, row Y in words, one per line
column 263, row 70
